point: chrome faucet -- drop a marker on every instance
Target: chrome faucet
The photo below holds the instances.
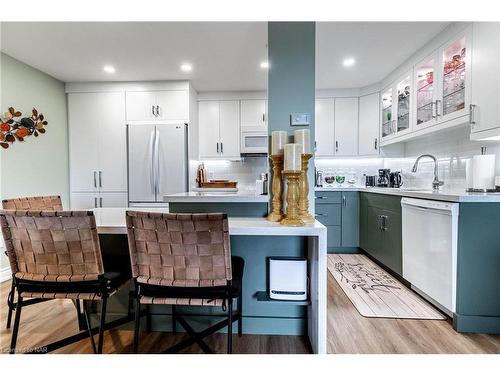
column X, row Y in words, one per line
column 436, row 183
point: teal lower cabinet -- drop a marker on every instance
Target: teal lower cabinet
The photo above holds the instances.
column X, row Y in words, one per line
column 380, row 228
column 339, row 212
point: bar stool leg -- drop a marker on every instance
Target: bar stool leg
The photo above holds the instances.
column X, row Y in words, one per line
column 148, row 318
column 230, row 326
column 13, row 340
column 137, row 324
column 240, row 315
column 174, row 321
column 89, row 327
column 10, row 303
column 101, row 325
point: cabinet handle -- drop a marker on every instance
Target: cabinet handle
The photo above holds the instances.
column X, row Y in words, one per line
column 95, row 202
column 336, row 146
column 158, row 110
column 316, row 215
column 437, row 108
column 320, row 197
column 263, row 117
column 394, row 126
column 344, row 201
column 217, row 148
column 472, row 117
column 100, row 202
column 315, row 146
column 433, row 109
column 95, row 179
column 384, row 222
column 100, row 179
column 222, row 148
column 376, row 143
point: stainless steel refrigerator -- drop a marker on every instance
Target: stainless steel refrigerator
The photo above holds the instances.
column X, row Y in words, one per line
column 157, row 163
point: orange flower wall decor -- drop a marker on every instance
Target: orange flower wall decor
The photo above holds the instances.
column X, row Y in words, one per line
column 14, row 127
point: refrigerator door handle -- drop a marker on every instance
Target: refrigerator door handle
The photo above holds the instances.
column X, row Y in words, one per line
column 157, row 162
column 152, row 155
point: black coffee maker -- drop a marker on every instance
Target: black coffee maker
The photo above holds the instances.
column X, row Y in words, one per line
column 395, row 180
column 384, row 177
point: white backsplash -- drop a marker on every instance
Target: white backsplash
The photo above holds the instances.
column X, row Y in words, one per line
column 452, row 149
column 245, row 172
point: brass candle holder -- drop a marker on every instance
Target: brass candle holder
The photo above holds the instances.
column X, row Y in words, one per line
column 304, row 214
column 292, row 218
column 277, row 202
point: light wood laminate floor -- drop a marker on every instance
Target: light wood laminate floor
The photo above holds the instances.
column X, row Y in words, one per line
column 348, row 332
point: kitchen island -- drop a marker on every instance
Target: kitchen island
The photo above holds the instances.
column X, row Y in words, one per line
column 255, row 240
column 240, row 203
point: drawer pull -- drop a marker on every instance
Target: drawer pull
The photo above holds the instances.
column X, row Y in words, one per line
column 320, row 215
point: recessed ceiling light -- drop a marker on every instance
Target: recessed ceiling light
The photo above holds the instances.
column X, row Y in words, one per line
column 349, row 61
column 264, row 64
column 109, row 69
column 186, row 67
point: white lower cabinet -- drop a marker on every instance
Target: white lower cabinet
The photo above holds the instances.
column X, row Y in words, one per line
column 369, row 124
column 346, row 126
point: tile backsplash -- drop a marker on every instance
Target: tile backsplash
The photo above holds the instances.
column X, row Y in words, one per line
column 244, row 171
column 452, row 149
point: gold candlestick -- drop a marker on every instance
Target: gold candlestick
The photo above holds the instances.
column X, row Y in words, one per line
column 304, row 214
column 292, row 218
column 277, row 202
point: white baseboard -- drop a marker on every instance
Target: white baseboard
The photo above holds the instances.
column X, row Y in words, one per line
column 5, row 274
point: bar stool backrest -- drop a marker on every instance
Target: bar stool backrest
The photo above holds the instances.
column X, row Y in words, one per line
column 43, row 203
column 55, row 246
column 181, row 250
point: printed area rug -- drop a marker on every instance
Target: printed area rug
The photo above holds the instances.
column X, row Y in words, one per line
column 374, row 292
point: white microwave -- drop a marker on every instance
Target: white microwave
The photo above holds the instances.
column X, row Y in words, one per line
column 254, row 142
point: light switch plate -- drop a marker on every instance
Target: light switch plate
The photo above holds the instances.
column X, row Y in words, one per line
column 300, row 119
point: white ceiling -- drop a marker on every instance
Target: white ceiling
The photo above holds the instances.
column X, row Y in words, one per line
column 224, row 55
column 378, row 47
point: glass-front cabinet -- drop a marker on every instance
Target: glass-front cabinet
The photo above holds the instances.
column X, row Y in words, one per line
column 455, row 82
column 403, row 110
column 388, row 121
column 426, row 92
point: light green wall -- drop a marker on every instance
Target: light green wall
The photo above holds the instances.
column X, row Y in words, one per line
column 39, row 166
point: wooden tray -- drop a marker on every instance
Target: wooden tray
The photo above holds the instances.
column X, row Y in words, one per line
column 219, row 184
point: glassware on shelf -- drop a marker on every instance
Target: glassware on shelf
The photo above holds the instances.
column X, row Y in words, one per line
column 454, row 77
column 340, row 177
column 387, row 128
column 329, row 176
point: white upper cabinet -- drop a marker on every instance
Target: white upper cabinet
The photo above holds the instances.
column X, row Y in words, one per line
column 97, row 148
column 369, row 120
column 229, row 122
column 485, row 103
column 219, row 129
column 253, row 114
column 141, row 105
column 346, row 126
column 324, row 127
column 455, row 78
column 208, row 122
column 172, row 105
column 157, row 105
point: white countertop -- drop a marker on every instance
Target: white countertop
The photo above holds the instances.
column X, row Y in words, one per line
column 112, row 221
column 447, row 195
column 216, row 197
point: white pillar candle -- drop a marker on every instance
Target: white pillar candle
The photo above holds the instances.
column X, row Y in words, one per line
column 278, row 140
column 303, row 138
column 293, row 152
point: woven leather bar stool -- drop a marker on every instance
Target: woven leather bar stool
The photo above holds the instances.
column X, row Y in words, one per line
column 42, row 203
column 56, row 255
column 185, row 259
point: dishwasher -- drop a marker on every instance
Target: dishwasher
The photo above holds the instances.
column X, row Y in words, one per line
column 430, row 232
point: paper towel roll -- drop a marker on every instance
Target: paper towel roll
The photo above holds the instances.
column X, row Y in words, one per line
column 483, row 167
